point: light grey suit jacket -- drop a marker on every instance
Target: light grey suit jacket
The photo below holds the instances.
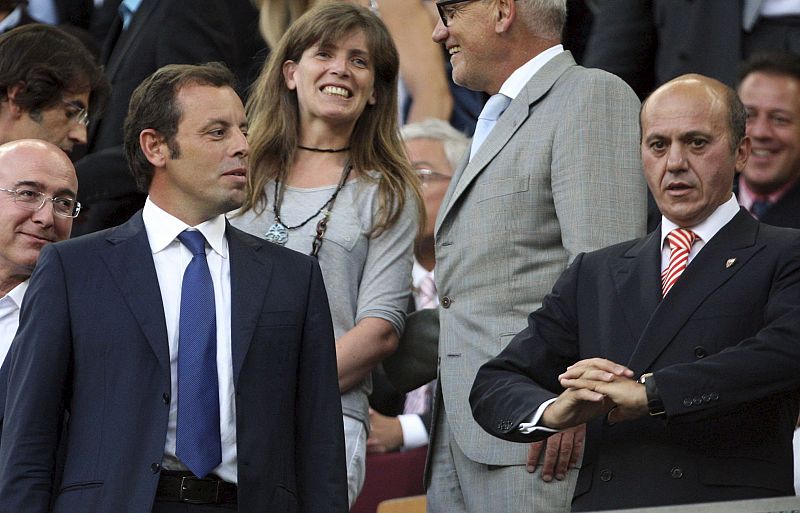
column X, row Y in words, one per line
column 559, row 174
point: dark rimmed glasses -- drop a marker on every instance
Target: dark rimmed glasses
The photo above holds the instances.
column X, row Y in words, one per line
column 30, row 199
column 447, row 9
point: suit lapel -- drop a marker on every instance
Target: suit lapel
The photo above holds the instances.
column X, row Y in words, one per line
column 515, row 115
column 130, row 262
column 250, row 277
column 704, row 275
column 116, row 54
column 636, row 280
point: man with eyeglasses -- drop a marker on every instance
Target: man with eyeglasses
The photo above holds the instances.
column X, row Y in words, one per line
column 49, row 85
column 38, row 187
column 553, row 171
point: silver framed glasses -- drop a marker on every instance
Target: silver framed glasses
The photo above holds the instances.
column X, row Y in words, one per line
column 429, row 176
column 77, row 112
column 31, row 199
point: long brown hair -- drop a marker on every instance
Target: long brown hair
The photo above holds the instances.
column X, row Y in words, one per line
column 375, row 143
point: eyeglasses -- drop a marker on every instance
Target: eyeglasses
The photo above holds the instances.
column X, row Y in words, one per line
column 77, row 112
column 427, row 176
column 30, row 199
column 447, row 9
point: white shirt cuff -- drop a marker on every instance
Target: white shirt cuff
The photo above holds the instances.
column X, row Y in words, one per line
column 527, row 428
column 414, row 432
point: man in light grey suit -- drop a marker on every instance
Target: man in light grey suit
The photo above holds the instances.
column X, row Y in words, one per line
column 558, row 174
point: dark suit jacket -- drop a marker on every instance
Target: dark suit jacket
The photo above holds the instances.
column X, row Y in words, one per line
column 161, row 32
column 648, row 42
column 723, row 346
column 92, row 340
column 785, row 211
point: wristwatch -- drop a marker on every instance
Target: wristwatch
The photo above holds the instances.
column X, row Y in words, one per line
column 654, row 404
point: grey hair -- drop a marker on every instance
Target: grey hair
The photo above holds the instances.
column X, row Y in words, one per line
column 545, row 18
column 455, row 143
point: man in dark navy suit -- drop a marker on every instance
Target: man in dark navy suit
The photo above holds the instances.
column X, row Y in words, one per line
column 234, row 409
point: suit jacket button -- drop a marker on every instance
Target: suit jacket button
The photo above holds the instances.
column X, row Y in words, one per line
column 165, row 398
column 676, row 473
column 606, row 475
column 714, row 396
column 156, row 468
column 700, row 352
column 687, row 402
column 697, row 400
column 706, row 398
column 446, row 302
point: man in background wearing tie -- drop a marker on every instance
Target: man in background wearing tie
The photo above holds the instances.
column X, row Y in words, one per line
column 685, row 340
column 553, row 170
column 197, row 363
column 768, row 187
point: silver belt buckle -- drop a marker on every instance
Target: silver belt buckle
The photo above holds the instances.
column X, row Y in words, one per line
column 185, row 490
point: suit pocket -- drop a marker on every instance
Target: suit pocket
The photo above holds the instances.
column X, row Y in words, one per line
column 81, row 485
column 502, row 187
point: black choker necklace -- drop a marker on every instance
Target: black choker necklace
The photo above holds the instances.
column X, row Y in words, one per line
column 323, row 150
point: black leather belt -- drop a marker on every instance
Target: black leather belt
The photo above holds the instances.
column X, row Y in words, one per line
column 176, row 486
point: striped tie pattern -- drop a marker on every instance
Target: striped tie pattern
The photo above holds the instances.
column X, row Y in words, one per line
column 680, row 242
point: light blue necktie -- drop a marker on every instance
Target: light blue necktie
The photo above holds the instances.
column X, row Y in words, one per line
column 197, row 439
column 493, row 109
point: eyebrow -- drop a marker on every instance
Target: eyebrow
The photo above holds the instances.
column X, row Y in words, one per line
column 39, row 186
column 221, row 122
column 78, row 104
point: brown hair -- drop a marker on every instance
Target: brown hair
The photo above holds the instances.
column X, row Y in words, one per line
column 154, row 105
column 375, row 143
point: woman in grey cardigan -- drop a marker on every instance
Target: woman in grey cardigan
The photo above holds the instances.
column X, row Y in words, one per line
column 328, row 177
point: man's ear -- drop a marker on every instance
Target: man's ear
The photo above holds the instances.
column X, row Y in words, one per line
column 154, row 147
column 13, row 92
column 505, row 14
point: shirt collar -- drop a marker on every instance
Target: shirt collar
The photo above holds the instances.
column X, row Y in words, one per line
column 747, row 196
column 163, row 228
column 710, row 225
column 11, row 20
column 17, row 293
column 522, row 75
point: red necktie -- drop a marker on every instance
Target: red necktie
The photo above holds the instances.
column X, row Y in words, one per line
column 680, row 242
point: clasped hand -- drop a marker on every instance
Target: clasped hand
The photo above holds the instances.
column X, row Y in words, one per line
column 596, row 387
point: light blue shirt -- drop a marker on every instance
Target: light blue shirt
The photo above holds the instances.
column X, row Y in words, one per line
column 127, row 8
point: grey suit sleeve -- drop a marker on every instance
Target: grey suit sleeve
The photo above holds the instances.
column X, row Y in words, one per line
column 598, row 187
column 39, row 375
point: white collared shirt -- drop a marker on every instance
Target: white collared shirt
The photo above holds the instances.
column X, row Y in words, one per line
column 171, row 258
column 705, row 230
column 9, row 317
column 11, row 20
column 522, row 75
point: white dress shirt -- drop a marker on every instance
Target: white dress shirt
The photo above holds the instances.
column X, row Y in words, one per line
column 522, row 75
column 9, row 317
column 705, row 231
column 171, row 258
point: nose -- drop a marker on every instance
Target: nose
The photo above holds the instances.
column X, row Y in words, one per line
column 440, row 32
column 758, row 127
column 339, row 66
column 240, row 147
column 676, row 158
column 44, row 216
column 78, row 133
